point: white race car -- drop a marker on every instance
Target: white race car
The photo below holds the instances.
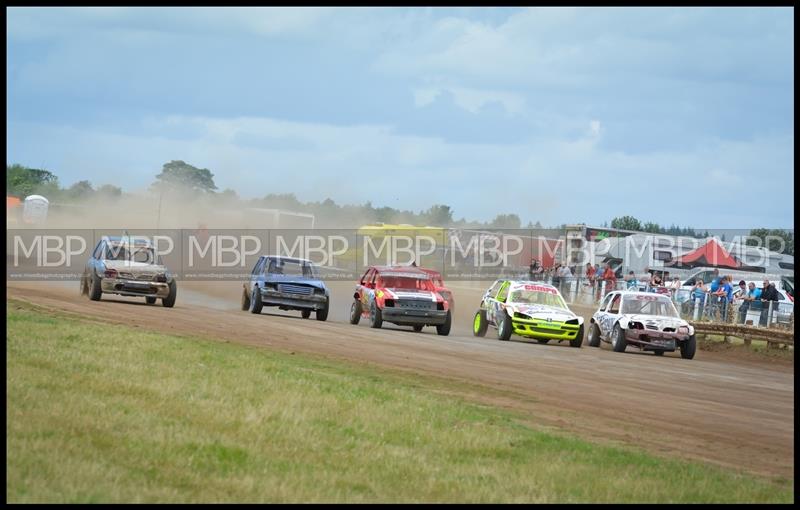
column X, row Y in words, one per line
column 646, row 320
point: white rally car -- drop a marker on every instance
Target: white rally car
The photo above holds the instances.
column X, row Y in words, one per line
column 529, row 309
column 645, row 320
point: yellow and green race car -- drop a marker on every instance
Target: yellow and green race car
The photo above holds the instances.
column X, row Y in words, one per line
column 528, row 309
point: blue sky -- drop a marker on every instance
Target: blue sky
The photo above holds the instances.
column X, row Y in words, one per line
column 562, row 115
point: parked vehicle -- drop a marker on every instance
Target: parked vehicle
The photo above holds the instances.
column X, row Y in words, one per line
column 645, row 320
column 287, row 283
column 529, row 309
column 128, row 266
column 405, row 296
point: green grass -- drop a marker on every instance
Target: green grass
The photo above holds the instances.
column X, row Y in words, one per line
column 114, row 414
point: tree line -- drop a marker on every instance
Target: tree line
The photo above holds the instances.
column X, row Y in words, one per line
column 191, row 183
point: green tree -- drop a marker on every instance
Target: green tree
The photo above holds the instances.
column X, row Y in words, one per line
column 510, row 221
column 626, row 223
column 778, row 240
column 438, row 215
column 22, row 181
column 109, row 191
column 653, row 228
column 181, row 175
column 81, row 190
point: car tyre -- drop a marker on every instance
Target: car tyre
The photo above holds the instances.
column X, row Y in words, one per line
column 150, row 300
column 618, row 341
column 578, row 340
column 543, row 340
column 95, row 291
column 169, row 301
column 417, row 328
column 444, row 329
column 355, row 312
column 245, row 299
column 305, row 314
column 322, row 313
column 255, row 301
column 594, row 335
column 479, row 324
column 658, row 352
column 375, row 316
column 504, row 326
column 689, row 347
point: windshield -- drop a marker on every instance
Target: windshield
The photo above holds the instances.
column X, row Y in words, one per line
column 142, row 254
column 291, row 268
column 535, row 297
column 649, row 305
column 403, row 282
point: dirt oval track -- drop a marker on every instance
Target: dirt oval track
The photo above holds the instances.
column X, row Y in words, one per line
column 735, row 413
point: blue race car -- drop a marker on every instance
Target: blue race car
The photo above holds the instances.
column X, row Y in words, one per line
column 288, row 283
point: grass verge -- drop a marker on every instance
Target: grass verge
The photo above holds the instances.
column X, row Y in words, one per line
column 112, row 414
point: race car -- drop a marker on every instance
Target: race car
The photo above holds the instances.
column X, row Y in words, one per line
column 529, row 309
column 128, row 266
column 438, row 283
column 643, row 319
column 405, row 296
column 287, row 283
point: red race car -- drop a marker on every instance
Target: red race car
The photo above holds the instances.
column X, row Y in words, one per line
column 438, row 282
column 405, row 296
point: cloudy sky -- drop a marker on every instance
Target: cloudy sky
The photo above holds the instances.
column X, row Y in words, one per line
column 562, row 115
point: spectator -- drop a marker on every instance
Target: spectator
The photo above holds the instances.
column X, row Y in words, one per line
column 723, row 296
column 655, row 281
column 590, row 270
column 564, row 275
column 646, row 276
column 610, row 278
column 675, row 284
column 534, row 269
column 631, row 282
column 745, row 298
column 556, row 281
column 715, row 280
column 768, row 293
column 699, row 291
column 753, row 291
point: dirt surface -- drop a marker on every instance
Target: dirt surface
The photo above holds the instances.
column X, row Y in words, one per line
column 737, row 412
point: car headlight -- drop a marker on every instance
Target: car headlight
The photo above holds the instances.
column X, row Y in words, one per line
column 518, row 315
column 683, row 329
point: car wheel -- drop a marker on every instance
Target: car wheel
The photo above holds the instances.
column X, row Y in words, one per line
column 417, row 327
column 658, row 352
column 618, row 341
column 504, row 326
column 169, row 301
column 255, row 301
column 355, row 312
column 305, row 314
column 594, row 335
column 444, row 329
column 578, row 340
column 375, row 318
column 245, row 299
column 95, row 292
column 688, row 348
column 322, row 313
column 479, row 324
column 150, row 300
column 543, row 340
